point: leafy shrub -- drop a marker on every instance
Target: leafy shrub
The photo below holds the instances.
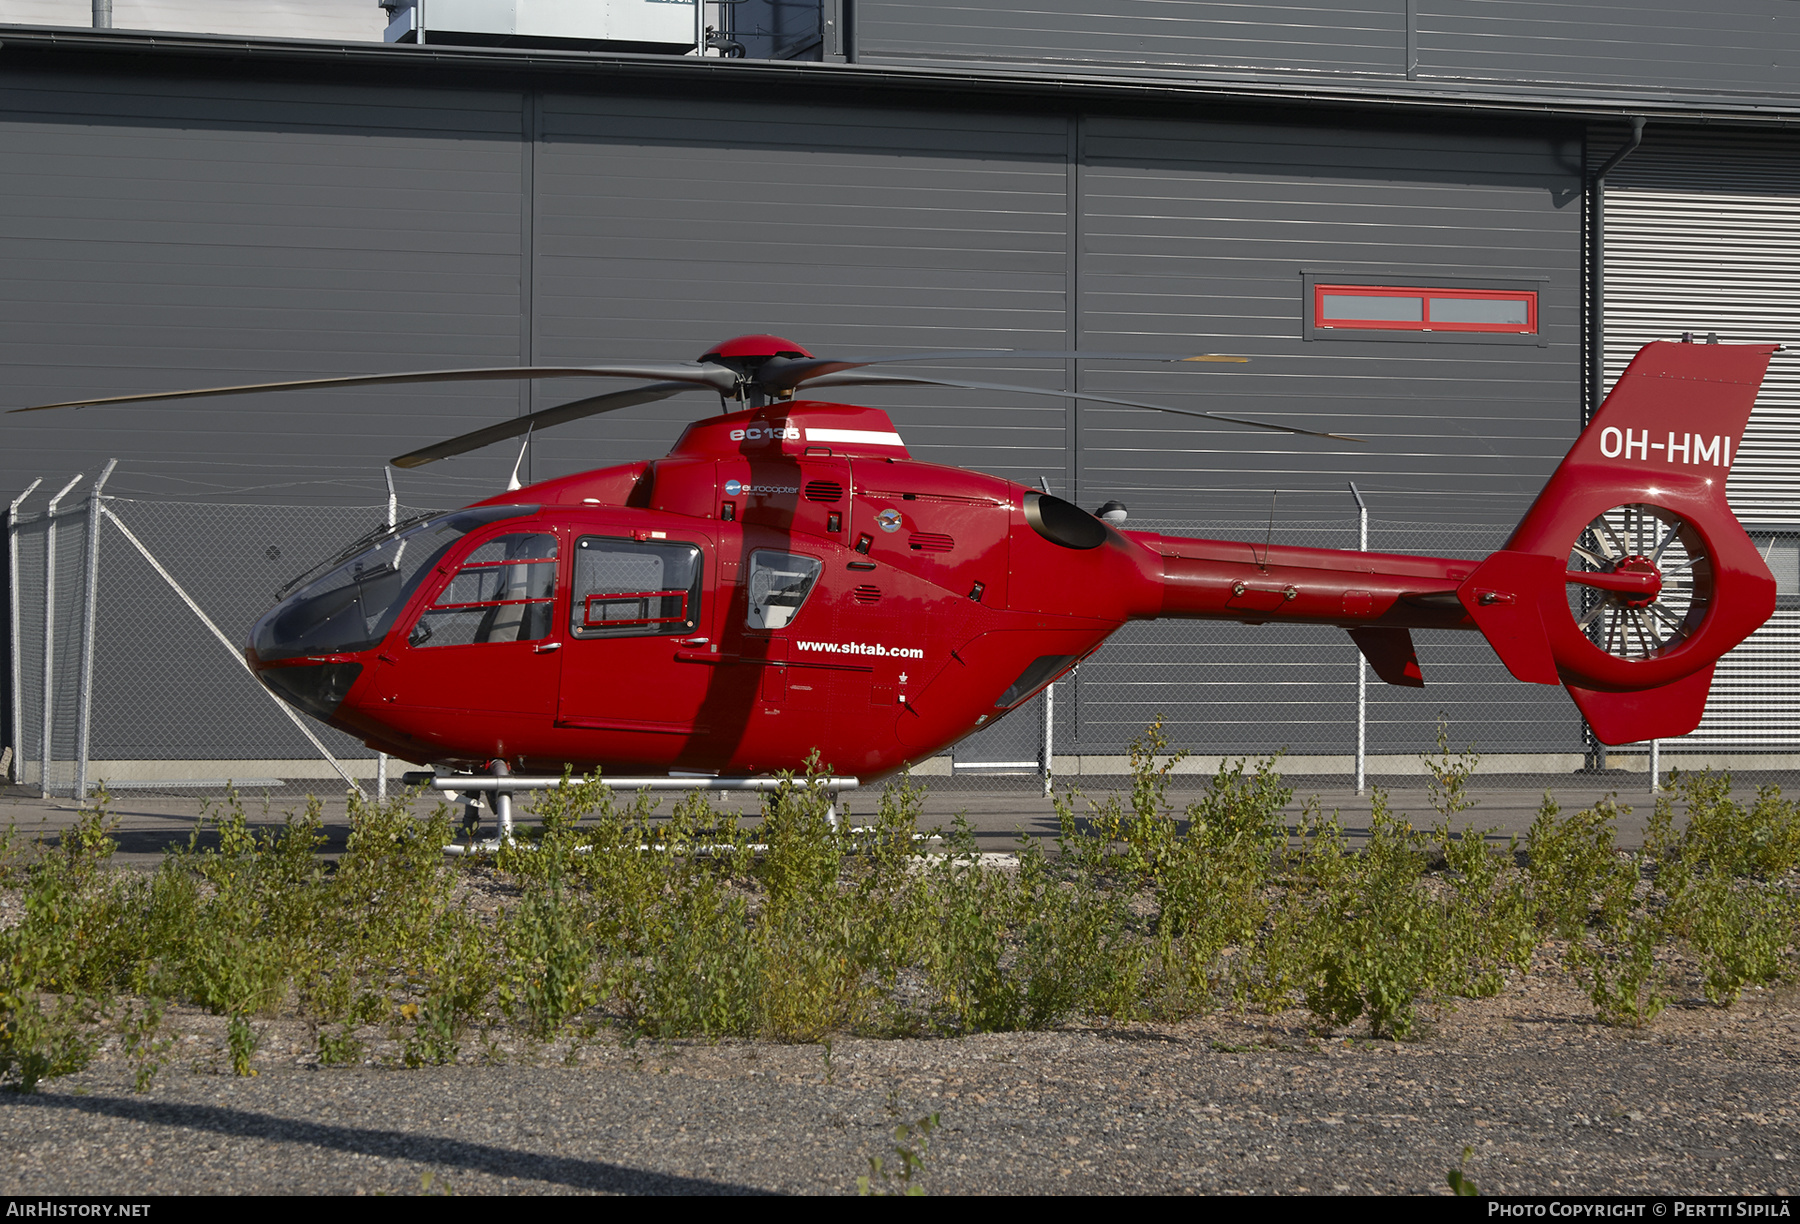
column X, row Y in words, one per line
column 790, row 926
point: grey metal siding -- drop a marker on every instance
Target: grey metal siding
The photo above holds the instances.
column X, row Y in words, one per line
column 1703, row 236
column 1360, row 37
column 169, row 232
column 1200, row 232
column 1744, row 45
column 665, row 226
column 1741, row 46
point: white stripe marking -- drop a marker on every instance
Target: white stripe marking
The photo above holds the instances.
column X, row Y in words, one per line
column 869, row 437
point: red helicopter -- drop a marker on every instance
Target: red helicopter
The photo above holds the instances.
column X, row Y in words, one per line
column 789, row 579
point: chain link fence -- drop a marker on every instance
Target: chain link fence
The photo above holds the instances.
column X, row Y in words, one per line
column 145, row 686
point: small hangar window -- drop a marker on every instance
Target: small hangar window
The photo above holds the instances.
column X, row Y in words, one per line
column 1423, row 309
column 1360, row 307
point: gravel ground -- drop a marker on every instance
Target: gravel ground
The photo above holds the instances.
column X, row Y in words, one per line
column 1703, row 1102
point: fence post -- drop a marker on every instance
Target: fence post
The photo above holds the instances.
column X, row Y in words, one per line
column 1596, row 751
column 1362, row 666
column 1049, row 695
column 84, row 720
column 1655, row 766
column 393, row 514
column 12, row 591
column 44, row 748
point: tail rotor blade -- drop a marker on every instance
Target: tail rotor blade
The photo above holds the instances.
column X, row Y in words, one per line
column 594, row 405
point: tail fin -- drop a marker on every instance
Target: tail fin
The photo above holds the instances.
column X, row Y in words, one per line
column 1629, row 576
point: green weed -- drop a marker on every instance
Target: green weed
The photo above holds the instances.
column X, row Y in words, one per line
column 341, row 1049
column 692, row 922
column 241, row 1042
column 140, row 1029
column 1458, row 1179
column 912, row 1144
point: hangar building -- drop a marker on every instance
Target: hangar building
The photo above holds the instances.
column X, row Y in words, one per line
column 205, row 194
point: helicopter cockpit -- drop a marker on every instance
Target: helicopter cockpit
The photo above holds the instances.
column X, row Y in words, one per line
column 354, row 605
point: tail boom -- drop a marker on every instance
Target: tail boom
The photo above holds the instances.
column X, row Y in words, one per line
column 1626, row 581
column 1229, row 580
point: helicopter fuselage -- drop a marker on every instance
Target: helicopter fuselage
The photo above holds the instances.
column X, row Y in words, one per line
column 787, row 580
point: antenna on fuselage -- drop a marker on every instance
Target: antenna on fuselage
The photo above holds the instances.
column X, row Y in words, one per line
column 1269, row 540
column 512, row 482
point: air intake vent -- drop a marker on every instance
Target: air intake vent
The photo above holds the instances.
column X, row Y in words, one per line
column 866, row 594
column 824, row 491
column 932, row 541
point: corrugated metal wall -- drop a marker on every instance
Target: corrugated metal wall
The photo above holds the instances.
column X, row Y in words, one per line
column 665, row 226
column 183, row 230
column 1747, row 46
column 1204, row 230
column 166, row 232
column 1742, row 46
column 1703, row 236
column 1362, row 36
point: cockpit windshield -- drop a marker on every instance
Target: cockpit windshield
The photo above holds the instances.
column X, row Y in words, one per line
column 353, row 607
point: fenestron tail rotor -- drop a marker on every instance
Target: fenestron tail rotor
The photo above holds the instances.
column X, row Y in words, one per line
column 1623, row 617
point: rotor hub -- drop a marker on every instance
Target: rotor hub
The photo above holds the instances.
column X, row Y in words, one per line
column 744, row 353
column 1637, row 563
column 745, row 356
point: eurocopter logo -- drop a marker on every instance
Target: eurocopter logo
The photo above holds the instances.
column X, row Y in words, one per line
column 767, row 433
column 1693, row 448
column 735, row 487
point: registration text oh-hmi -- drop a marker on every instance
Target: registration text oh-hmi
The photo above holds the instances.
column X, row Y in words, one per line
column 1691, row 448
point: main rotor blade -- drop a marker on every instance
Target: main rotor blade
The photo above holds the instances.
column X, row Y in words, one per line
column 572, row 411
column 783, row 373
column 716, row 377
column 876, row 380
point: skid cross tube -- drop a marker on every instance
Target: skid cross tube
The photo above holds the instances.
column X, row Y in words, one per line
column 504, row 785
column 522, row 782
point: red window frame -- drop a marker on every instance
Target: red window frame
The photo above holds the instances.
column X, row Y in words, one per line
column 587, row 609
column 1425, row 294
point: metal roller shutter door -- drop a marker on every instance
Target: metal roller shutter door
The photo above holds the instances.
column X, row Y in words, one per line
column 1703, row 235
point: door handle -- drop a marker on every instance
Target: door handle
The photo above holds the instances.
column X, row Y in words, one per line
column 546, row 647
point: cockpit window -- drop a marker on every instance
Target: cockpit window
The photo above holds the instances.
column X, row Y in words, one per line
column 779, row 583
column 354, row 606
column 501, row 594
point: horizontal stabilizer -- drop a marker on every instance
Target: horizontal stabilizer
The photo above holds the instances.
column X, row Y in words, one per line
column 1390, row 652
column 1505, row 597
column 1658, row 713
